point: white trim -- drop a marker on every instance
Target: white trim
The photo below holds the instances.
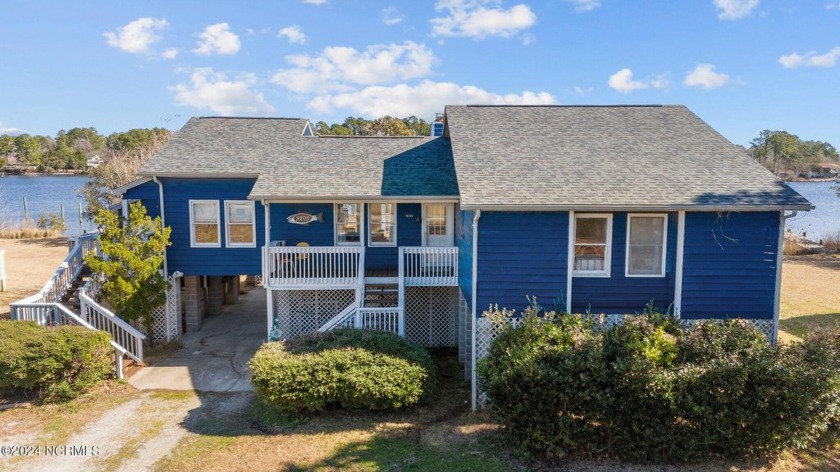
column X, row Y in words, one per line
column 218, row 225
column 678, row 271
column 450, row 223
column 607, row 248
column 219, row 175
column 780, row 250
column 228, row 243
column 134, row 183
column 361, row 211
column 162, row 225
column 570, row 261
column 473, row 347
column 267, row 218
column 307, row 127
column 641, row 207
column 393, row 224
column 354, row 199
column 661, row 274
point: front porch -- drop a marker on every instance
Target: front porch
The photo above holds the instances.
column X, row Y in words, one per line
column 322, row 288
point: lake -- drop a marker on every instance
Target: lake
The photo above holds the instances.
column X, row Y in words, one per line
column 44, row 194
column 825, row 218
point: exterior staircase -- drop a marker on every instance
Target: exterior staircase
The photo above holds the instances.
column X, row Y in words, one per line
column 71, row 299
column 381, row 295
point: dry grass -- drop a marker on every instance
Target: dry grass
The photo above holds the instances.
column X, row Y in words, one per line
column 810, row 297
column 28, row 232
column 832, row 242
column 795, row 247
column 29, row 265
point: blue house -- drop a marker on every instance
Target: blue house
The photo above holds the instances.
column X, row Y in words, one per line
column 588, row 208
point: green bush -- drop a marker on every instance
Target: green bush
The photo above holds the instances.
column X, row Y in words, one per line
column 51, row 363
column 346, row 368
column 649, row 390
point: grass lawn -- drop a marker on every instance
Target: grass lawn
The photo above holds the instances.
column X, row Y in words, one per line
column 810, row 294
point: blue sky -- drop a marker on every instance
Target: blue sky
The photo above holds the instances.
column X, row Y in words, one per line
column 741, row 65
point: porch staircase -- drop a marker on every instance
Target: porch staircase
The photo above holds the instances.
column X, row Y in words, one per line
column 69, row 297
column 381, row 295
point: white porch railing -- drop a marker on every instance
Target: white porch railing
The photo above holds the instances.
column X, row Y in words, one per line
column 428, row 266
column 313, row 267
column 64, row 276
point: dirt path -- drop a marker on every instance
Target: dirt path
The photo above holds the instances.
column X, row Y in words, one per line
column 132, row 436
column 29, row 264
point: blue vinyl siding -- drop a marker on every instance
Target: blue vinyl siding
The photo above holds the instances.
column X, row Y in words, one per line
column 464, row 241
column 619, row 294
column 729, row 265
column 519, row 254
column 314, row 234
column 149, row 194
column 209, row 261
column 409, row 233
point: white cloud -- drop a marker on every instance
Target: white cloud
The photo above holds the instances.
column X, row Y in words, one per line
column 136, row 36
column 585, row 5
column 583, row 91
column 217, row 39
column 209, row 90
column 623, row 82
column 834, row 5
column 391, row 16
column 170, row 53
column 339, row 68
column 423, row 99
column 470, row 18
column 704, row 75
column 10, row 131
column 528, row 39
column 810, row 59
column 315, row 2
column 293, row 34
column 734, row 9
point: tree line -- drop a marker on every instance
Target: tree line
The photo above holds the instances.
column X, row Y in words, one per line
column 72, row 150
column 782, row 152
column 382, row 126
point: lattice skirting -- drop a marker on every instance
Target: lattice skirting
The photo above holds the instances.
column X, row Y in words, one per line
column 486, row 331
column 167, row 324
column 304, row 311
column 431, row 316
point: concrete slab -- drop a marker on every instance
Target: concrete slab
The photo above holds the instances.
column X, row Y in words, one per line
column 215, row 358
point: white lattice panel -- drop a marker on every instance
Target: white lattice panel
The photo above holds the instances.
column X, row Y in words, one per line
column 304, row 311
column 167, row 317
column 431, row 315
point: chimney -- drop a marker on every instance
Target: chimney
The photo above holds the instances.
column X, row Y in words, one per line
column 437, row 125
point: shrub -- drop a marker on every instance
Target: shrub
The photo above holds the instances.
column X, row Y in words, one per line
column 51, row 363
column 347, row 368
column 650, row 390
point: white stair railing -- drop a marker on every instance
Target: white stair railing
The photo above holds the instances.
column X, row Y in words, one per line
column 429, row 266
column 341, row 318
column 2, row 270
column 122, row 333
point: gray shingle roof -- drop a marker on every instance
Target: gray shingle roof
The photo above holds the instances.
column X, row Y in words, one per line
column 603, row 157
column 290, row 165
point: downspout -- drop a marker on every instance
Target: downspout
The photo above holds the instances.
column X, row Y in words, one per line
column 473, row 374
column 269, row 298
column 779, row 256
column 162, row 223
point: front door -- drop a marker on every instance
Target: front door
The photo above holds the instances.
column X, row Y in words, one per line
column 437, row 225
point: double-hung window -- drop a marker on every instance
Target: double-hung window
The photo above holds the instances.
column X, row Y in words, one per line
column 382, row 224
column 646, row 245
column 204, row 223
column 240, row 224
column 592, row 245
column 348, row 224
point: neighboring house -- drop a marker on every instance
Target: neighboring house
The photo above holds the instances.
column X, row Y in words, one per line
column 94, row 161
column 591, row 209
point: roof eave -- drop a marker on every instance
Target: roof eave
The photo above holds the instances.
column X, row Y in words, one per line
column 636, row 208
column 185, row 175
column 355, row 198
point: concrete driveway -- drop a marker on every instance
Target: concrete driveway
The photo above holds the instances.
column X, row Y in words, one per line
column 214, row 359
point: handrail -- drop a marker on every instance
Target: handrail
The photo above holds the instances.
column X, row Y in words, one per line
column 125, row 335
column 312, row 266
column 63, row 277
column 429, row 266
column 340, row 318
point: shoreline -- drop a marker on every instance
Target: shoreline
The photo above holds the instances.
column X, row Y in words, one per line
column 45, row 174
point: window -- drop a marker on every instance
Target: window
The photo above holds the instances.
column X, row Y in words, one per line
column 646, row 236
column 436, row 220
column 347, row 224
column 241, row 227
column 382, row 224
column 204, row 223
column 593, row 239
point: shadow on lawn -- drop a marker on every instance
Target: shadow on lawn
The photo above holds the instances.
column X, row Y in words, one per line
column 802, row 325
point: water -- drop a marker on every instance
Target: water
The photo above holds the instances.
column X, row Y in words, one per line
column 44, row 194
column 823, row 220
